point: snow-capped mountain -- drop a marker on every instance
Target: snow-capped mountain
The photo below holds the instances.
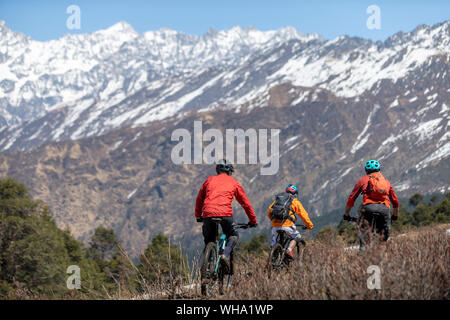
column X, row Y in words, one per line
column 41, row 76
column 86, row 85
column 125, row 179
column 86, row 120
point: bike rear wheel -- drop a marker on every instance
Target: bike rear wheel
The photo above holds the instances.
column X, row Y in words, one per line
column 367, row 234
column 207, row 271
column 276, row 257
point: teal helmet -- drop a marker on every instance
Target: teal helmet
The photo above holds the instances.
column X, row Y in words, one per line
column 372, row 165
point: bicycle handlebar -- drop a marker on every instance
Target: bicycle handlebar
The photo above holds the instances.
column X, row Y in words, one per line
column 301, row 225
column 243, row 225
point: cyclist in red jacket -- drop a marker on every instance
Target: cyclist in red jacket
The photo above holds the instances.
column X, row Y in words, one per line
column 214, row 200
column 377, row 197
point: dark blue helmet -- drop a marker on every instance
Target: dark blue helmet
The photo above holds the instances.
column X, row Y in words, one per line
column 224, row 166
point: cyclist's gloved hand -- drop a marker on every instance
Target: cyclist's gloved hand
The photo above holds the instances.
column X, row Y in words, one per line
column 199, row 219
column 347, row 217
column 394, row 218
column 252, row 225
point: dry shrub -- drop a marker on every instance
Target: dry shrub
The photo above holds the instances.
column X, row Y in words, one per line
column 411, row 268
column 165, row 286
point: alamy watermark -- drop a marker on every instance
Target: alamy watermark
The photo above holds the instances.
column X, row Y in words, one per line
column 374, row 281
column 74, row 280
column 234, row 144
column 374, row 20
column 73, row 22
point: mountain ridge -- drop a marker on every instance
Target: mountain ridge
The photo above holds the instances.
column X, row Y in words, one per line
column 101, row 157
column 344, row 65
column 124, row 179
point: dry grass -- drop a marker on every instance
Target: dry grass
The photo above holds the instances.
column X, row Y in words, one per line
column 411, row 268
column 415, row 266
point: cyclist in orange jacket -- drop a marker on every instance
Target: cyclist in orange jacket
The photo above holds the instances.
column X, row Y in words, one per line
column 288, row 224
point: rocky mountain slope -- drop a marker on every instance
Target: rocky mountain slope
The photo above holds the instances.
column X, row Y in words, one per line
column 126, row 180
column 96, row 143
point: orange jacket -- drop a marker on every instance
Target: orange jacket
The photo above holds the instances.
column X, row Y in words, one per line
column 297, row 208
column 362, row 186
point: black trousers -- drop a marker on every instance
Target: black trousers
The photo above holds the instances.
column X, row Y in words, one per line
column 376, row 215
column 228, row 228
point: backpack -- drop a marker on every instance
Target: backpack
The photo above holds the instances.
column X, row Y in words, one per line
column 282, row 206
column 378, row 187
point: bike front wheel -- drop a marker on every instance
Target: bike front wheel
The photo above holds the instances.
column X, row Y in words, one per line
column 225, row 277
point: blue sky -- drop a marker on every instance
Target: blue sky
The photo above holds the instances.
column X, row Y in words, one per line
column 45, row 19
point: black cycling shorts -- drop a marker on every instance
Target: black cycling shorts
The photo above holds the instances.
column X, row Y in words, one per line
column 209, row 228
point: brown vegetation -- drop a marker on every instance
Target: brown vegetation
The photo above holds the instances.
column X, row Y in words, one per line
column 413, row 267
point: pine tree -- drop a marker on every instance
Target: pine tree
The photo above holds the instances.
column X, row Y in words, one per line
column 163, row 261
column 257, row 245
column 34, row 252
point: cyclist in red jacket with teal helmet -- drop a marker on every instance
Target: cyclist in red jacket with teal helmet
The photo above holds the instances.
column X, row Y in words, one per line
column 378, row 195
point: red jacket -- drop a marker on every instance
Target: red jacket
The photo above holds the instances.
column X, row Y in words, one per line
column 215, row 197
column 361, row 187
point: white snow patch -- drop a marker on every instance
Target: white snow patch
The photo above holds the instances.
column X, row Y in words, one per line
column 438, row 154
column 426, row 130
column 132, row 193
column 291, row 139
column 394, row 104
column 346, row 172
column 168, row 109
column 300, row 98
column 402, row 186
column 116, row 145
column 432, row 97
column 361, row 139
column 335, row 138
column 293, row 146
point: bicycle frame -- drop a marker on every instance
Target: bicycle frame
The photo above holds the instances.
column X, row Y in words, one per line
column 221, row 245
column 282, row 237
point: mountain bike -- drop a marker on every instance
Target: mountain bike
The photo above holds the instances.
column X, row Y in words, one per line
column 214, row 272
column 367, row 232
column 278, row 258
